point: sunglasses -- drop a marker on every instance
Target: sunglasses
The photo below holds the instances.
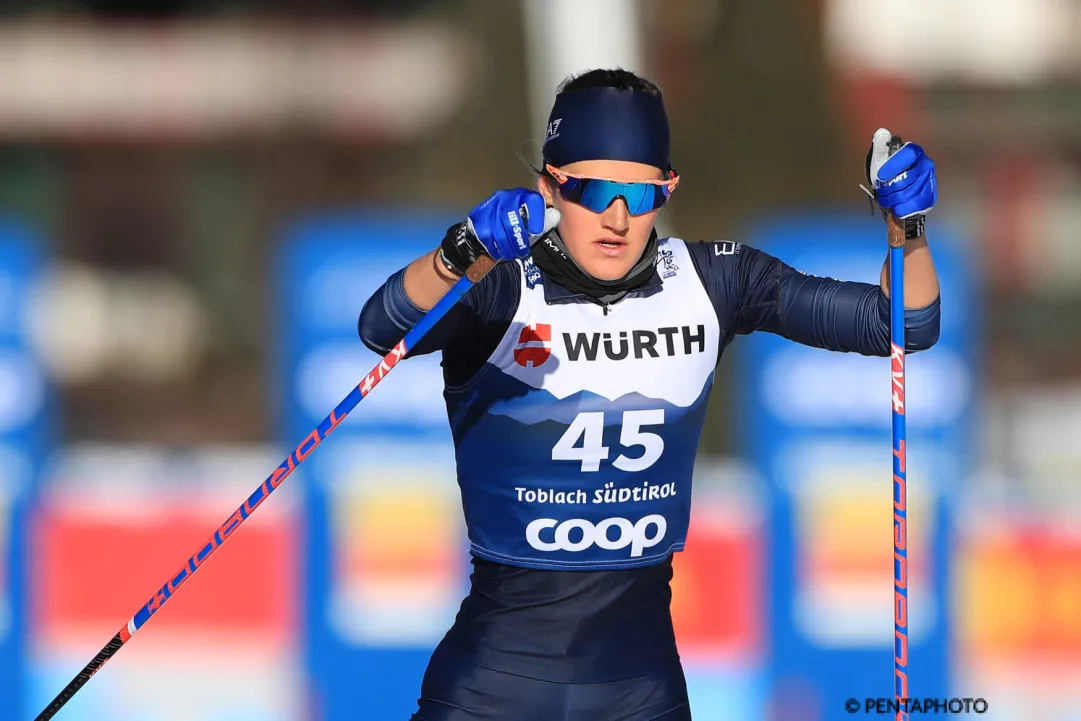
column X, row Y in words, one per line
column 596, row 194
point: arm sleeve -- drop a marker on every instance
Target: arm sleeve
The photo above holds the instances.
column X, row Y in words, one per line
column 753, row 290
column 389, row 314
column 468, row 333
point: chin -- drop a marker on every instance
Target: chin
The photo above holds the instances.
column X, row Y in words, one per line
column 608, row 269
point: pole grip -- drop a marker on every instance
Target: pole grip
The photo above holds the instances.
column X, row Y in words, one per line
column 895, row 233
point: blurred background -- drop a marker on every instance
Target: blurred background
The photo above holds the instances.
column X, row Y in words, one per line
column 197, row 197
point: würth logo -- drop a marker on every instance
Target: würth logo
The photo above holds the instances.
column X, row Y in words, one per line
column 533, row 346
column 681, row 340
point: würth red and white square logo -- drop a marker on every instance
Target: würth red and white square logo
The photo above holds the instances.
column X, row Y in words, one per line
column 533, row 346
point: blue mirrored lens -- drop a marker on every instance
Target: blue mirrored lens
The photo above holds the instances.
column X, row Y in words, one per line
column 597, row 195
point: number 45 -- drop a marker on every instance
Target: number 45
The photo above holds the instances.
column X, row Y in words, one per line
column 589, row 428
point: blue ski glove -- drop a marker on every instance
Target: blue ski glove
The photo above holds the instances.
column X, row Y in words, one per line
column 903, row 178
column 503, row 227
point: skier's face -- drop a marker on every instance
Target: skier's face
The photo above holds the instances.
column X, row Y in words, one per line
column 606, row 244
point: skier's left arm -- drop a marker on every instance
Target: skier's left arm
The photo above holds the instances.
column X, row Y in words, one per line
column 752, row 290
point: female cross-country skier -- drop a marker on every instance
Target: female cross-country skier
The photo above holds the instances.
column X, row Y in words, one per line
column 576, row 378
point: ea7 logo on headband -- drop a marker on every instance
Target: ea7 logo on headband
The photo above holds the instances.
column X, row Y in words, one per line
column 553, row 129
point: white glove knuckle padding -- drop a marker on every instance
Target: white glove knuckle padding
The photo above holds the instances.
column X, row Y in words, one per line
column 880, row 152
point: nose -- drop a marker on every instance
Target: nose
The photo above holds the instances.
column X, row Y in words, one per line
column 616, row 217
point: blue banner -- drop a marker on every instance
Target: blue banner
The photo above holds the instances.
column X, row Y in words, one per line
column 25, row 407
column 817, row 427
column 385, row 549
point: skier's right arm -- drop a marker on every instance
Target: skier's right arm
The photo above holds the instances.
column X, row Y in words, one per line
column 497, row 228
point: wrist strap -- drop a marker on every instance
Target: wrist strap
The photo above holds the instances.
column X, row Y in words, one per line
column 915, row 226
column 459, row 249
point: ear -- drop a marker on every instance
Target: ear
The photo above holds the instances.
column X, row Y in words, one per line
column 544, row 187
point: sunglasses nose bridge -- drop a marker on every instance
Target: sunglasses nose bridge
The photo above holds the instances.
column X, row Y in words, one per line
column 617, row 215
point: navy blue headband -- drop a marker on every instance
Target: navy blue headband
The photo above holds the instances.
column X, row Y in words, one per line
column 607, row 124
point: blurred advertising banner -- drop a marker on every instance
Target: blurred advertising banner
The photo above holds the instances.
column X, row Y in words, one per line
column 110, row 524
column 817, row 426
column 1019, row 583
column 386, row 562
column 25, row 427
column 718, row 595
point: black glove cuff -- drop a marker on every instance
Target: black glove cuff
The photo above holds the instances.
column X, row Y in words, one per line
column 915, row 226
column 460, row 248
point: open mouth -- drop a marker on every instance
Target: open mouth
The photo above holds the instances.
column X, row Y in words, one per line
column 611, row 247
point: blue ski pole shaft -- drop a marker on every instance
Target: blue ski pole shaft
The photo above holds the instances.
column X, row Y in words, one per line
column 896, row 237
